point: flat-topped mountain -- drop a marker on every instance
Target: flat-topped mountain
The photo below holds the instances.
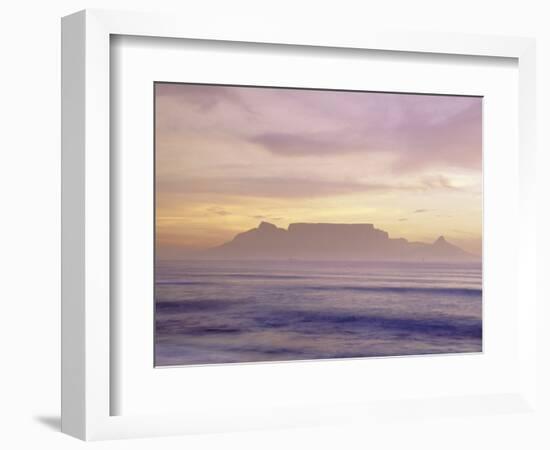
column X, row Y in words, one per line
column 333, row 241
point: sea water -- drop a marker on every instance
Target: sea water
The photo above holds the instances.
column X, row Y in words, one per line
column 244, row 311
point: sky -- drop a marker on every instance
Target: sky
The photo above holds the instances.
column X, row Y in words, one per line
column 230, row 157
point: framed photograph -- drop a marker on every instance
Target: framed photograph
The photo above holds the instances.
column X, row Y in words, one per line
column 267, row 228
column 263, row 251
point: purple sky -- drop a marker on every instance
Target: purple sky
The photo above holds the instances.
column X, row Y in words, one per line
column 411, row 164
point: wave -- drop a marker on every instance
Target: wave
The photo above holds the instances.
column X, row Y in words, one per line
column 319, row 325
column 438, row 290
column 366, row 276
column 401, row 289
column 183, row 283
column 237, row 275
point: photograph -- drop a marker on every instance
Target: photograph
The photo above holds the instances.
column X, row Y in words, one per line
column 242, row 225
column 296, row 224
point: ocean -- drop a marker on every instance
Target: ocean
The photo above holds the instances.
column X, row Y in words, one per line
column 212, row 312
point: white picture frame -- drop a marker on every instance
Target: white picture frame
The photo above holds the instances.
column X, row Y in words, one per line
column 87, row 355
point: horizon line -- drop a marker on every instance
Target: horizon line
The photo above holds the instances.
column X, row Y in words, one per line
column 287, row 229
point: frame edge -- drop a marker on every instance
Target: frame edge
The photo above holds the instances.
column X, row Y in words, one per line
column 73, row 82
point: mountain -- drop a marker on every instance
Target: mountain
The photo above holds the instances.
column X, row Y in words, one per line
column 331, row 241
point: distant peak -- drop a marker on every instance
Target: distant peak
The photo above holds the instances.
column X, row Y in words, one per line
column 440, row 240
column 266, row 226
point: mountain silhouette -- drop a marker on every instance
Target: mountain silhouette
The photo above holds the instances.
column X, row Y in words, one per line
column 333, row 241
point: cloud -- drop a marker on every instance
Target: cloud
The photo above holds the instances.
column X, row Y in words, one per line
column 312, row 144
column 218, row 211
column 202, row 97
column 266, row 187
column 289, row 187
column 420, row 211
column 418, row 131
column 269, row 218
column 438, row 181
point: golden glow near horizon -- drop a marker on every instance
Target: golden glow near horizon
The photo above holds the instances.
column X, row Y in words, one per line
column 228, row 158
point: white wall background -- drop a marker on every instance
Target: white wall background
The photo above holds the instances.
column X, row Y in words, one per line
column 29, row 225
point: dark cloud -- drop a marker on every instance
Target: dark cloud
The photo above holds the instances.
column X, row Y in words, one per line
column 308, row 144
